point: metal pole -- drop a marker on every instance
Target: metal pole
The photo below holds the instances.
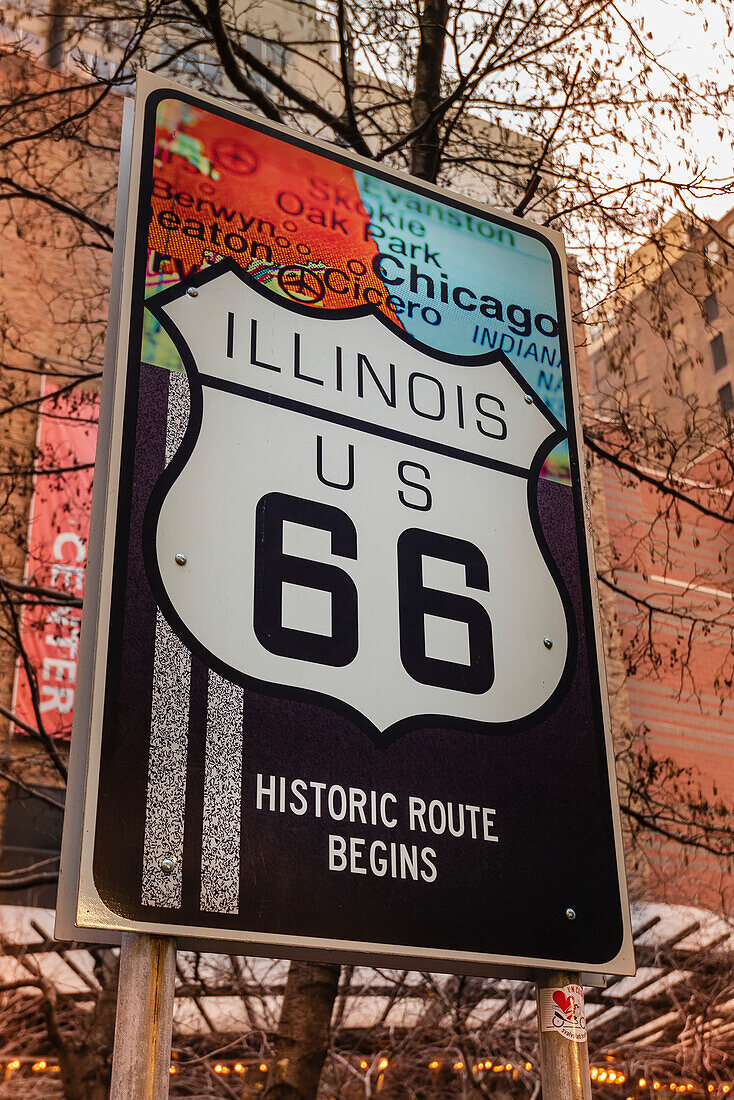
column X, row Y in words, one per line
column 564, row 1050
column 142, row 1055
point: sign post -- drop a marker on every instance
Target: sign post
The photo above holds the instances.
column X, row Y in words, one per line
column 142, row 1054
column 341, row 662
column 563, row 1043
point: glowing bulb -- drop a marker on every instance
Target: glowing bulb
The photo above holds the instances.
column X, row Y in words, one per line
column 656, row 1084
column 363, row 1064
column 621, row 1078
column 612, row 1076
column 642, row 1082
column 239, row 1068
column 458, row 1065
column 603, row 1075
column 431, row 1065
column 710, row 1088
column 726, row 1088
column 594, row 1073
column 383, row 1063
column 263, row 1068
column 218, row 1068
column 528, row 1065
column 508, row 1065
column 171, row 1069
column 15, row 1064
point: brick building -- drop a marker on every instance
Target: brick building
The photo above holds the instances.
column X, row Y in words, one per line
column 662, row 376
column 671, row 342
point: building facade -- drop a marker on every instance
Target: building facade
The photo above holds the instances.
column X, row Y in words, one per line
column 661, row 371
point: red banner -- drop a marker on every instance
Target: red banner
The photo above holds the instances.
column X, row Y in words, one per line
column 58, row 533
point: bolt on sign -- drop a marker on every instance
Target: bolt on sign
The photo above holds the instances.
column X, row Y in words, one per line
column 345, row 694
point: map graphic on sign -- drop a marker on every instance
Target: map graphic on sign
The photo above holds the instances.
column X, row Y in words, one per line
column 340, row 689
column 361, row 500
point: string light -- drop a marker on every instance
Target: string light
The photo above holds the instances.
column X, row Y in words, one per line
column 597, row 1073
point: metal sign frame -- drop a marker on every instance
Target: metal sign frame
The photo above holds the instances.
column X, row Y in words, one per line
column 81, row 913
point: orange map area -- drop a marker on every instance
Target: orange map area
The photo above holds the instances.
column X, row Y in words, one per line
column 293, row 219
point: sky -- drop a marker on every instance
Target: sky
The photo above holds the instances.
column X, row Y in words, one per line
column 692, row 38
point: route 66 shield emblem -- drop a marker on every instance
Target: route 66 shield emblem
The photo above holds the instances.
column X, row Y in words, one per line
column 351, row 517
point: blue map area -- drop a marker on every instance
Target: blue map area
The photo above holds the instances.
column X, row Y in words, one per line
column 463, row 283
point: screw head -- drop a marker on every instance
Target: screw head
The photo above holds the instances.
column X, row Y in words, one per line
column 192, row 292
column 168, row 865
column 528, row 399
column 180, row 559
column 548, row 643
column 571, row 914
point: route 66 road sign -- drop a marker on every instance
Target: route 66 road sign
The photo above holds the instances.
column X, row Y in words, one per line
column 344, row 693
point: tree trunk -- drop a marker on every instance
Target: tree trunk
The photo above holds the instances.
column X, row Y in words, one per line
column 85, row 1050
column 304, row 1030
column 427, row 95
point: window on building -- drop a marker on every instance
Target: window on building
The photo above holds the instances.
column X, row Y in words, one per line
column 726, row 400
column 31, row 837
column 718, row 352
column 191, row 63
column 687, row 378
column 711, row 308
column 272, row 53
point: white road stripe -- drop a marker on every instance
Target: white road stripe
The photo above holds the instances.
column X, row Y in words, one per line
column 169, row 720
column 220, row 841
